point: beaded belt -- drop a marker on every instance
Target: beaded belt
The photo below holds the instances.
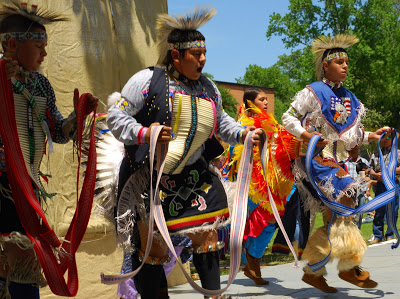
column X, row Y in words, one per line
column 43, row 238
column 153, row 260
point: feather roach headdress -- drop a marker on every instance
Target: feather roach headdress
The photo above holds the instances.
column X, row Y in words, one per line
column 33, row 13
column 189, row 22
column 323, row 43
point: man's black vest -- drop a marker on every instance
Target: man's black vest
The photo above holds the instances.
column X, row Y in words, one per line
column 156, row 109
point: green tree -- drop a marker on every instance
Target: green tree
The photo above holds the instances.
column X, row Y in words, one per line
column 271, row 77
column 280, row 108
column 377, row 64
column 298, row 65
column 375, row 119
column 306, row 20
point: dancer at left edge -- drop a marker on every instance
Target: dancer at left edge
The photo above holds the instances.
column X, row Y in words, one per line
column 37, row 122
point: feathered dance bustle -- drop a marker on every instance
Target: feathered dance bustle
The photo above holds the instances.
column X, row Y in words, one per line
column 110, row 153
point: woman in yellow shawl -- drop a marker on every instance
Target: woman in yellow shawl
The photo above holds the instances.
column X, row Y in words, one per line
column 282, row 149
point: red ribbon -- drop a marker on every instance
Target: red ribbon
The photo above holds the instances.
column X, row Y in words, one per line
column 29, row 210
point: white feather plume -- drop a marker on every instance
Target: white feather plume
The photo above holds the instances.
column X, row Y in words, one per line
column 191, row 21
column 112, row 98
column 36, row 14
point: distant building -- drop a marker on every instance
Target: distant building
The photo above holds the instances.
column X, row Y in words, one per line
column 237, row 90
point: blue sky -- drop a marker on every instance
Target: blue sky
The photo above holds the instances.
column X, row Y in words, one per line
column 236, row 35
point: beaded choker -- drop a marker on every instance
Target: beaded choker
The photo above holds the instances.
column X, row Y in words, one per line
column 23, row 74
column 332, row 84
column 177, row 75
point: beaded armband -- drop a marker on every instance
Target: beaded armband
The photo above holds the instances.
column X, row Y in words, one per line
column 293, row 112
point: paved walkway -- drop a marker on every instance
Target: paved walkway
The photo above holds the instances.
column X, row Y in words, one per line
column 285, row 281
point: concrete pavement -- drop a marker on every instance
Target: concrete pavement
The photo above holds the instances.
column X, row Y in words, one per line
column 285, row 281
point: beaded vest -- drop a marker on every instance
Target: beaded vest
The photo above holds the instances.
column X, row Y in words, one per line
column 329, row 103
column 156, row 109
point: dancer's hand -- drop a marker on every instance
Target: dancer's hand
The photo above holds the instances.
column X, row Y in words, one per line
column 306, row 136
column 91, row 104
column 164, row 137
column 377, row 175
column 377, row 134
column 256, row 137
column 11, row 67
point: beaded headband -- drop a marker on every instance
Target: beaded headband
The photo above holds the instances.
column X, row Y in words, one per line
column 335, row 55
column 22, row 36
column 187, row 45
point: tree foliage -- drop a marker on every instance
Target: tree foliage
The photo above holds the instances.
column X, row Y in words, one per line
column 298, row 66
column 228, row 101
column 271, row 77
column 376, row 58
column 280, row 108
column 299, row 26
column 374, row 72
column 306, row 20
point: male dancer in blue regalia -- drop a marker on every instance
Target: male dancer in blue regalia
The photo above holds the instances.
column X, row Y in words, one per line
column 328, row 109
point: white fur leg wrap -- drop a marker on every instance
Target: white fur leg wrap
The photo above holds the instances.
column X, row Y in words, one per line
column 347, row 245
column 347, row 242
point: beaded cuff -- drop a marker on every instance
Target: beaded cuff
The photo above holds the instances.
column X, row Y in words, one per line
column 239, row 137
column 365, row 139
column 142, row 135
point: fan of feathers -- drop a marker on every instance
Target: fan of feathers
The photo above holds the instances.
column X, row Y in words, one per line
column 110, row 153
